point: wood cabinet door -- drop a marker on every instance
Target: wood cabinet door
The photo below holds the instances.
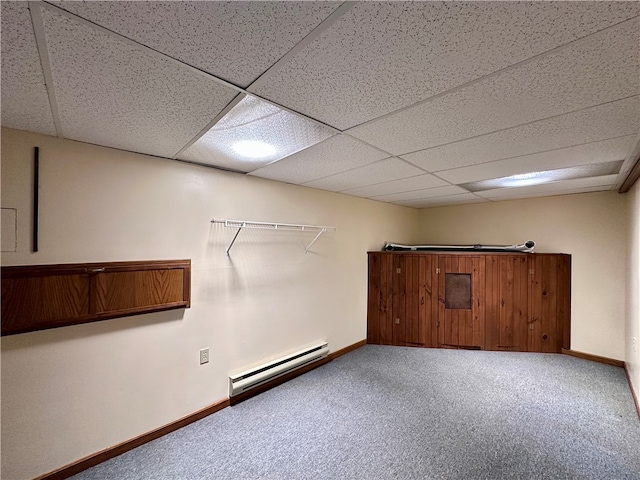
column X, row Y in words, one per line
column 379, row 321
column 412, row 300
column 550, row 304
column 43, row 300
column 138, row 290
column 460, row 298
column 507, row 291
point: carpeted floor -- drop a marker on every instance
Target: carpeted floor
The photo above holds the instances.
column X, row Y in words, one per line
column 411, row 413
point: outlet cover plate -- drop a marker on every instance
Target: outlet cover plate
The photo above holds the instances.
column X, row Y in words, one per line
column 204, row 355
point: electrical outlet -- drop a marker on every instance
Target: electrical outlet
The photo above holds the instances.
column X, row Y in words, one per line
column 204, row 355
column 634, row 345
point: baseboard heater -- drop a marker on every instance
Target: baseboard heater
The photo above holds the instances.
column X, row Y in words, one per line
column 243, row 381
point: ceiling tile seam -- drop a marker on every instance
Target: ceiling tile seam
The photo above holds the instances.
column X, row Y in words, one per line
column 356, row 168
column 628, row 163
column 237, row 99
column 140, row 46
column 311, row 37
column 522, row 125
column 406, row 191
column 369, row 184
column 364, row 142
column 492, row 74
column 350, row 170
column 374, row 197
column 530, row 154
column 45, row 64
column 176, row 62
column 441, row 196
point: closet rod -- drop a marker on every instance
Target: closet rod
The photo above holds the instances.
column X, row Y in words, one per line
column 240, row 224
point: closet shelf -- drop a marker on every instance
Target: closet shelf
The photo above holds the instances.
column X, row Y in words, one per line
column 240, row 224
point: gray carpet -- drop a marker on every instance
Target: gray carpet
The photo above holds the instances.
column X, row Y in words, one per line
column 410, row 413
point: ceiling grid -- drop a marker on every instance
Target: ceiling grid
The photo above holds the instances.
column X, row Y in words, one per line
column 412, row 103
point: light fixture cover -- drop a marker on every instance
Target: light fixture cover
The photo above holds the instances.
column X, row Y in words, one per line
column 536, row 178
column 254, row 133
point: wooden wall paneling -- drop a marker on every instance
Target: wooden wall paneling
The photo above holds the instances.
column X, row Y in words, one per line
column 535, row 304
column 522, row 305
column 544, row 305
column 478, row 308
column 491, row 301
column 428, row 300
column 386, row 303
column 514, row 305
column 552, row 343
column 399, row 299
column 467, row 316
column 565, row 301
column 414, row 299
column 461, row 327
column 374, row 299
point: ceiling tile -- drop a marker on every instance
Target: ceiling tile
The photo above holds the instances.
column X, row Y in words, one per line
column 589, row 153
column 382, row 56
column 421, row 194
column 382, row 171
column 236, row 41
column 441, row 201
column 336, row 154
column 25, row 103
column 419, row 182
column 598, row 69
column 112, row 93
column 589, row 125
column 566, row 186
column 252, row 134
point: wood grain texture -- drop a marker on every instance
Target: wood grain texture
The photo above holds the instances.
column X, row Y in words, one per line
column 38, row 297
column 519, row 302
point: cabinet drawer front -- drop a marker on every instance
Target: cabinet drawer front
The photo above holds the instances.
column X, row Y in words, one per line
column 118, row 291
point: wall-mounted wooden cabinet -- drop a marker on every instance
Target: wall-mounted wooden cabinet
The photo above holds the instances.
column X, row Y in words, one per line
column 37, row 297
column 488, row 301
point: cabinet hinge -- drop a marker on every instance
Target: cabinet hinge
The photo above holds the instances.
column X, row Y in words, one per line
column 437, row 271
column 531, row 271
column 398, row 270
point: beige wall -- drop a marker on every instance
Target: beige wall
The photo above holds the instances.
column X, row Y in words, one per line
column 592, row 227
column 72, row 391
column 633, row 289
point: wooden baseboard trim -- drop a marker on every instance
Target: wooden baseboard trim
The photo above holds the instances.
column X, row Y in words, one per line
column 594, row 358
column 633, row 392
column 97, row 458
column 285, row 378
column 348, row 349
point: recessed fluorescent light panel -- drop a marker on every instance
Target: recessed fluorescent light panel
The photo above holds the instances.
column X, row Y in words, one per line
column 253, row 134
column 536, row 178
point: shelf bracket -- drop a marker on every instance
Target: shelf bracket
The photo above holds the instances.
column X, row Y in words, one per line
column 232, row 241
column 314, row 240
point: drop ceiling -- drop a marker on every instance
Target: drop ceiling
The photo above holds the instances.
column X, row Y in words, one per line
column 413, row 103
